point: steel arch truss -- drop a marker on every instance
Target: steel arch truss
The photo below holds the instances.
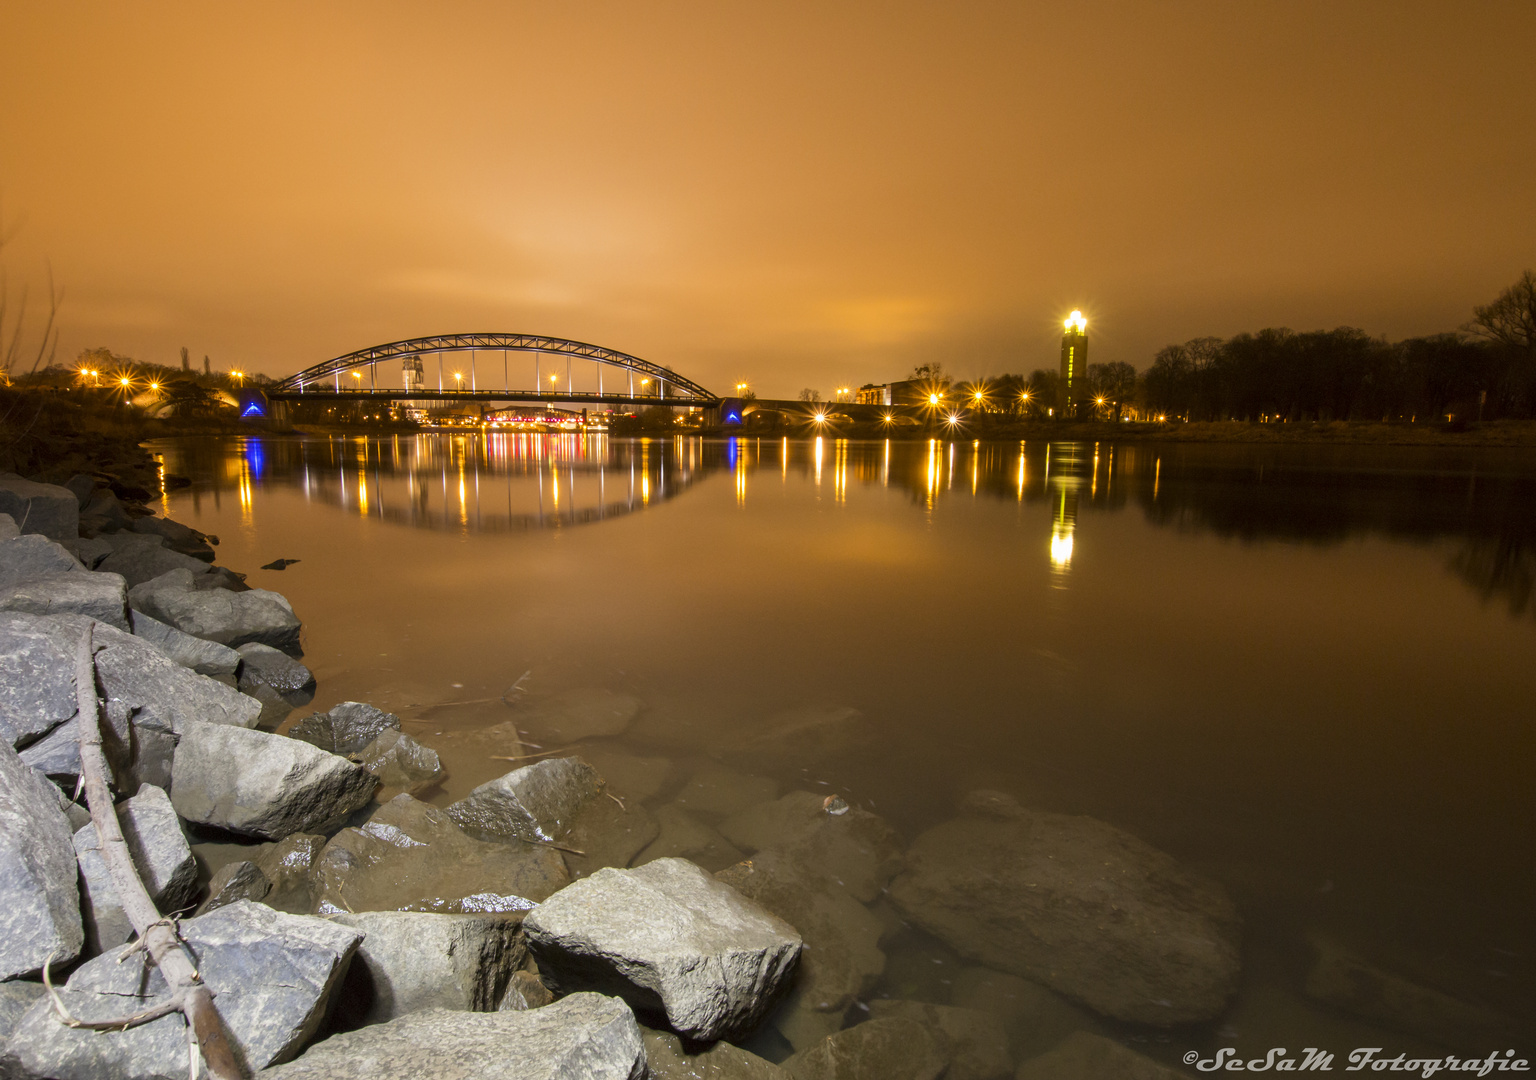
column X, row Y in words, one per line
column 687, row 389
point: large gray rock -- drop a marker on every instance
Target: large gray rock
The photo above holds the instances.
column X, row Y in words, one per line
column 670, row 1060
column 346, row 729
column 230, row 618
column 27, row 557
column 142, row 559
column 877, row 1050
column 90, row 551
column 414, row 960
column 974, row 1043
column 48, row 509
column 37, row 678
column 259, row 784
column 1085, row 1056
column 39, row 901
column 411, row 856
column 149, row 699
column 161, row 855
column 842, row 960
column 536, row 802
column 202, row 656
column 572, row 715
column 272, row 975
column 103, row 511
column 854, row 847
column 1081, row 906
column 582, row 1037
column 399, row 761
column 178, row 537
column 103, row 597
column 16, row 997
column 682, row 948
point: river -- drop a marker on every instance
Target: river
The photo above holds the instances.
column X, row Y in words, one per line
column 1308, row 672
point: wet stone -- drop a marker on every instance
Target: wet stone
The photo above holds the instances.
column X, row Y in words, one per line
column 679, row 946
column 636, row 775
column 670, row 1060
column 265, row 666
column 142, row 559
column 608, row 831
column 232, row 882
column 1084, row 1056
column 721, row 791
column 346, row 729
column 573, row 715
column 876, row 1050
column 203, row 657
column 684, row 836
column 289, row 865
column 537, row 802
column 411, row 856
column 1036, row 1018
column 856, row 848
column 974, row 1043
column 229, row 618
column 584, row 1036
column 399, row 761
column 272, row 974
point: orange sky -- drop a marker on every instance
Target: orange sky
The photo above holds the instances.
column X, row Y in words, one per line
column 795, row 194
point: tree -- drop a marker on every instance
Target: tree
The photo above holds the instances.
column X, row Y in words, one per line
column 810, row 395
column 1510, row 319
column 1115, row 383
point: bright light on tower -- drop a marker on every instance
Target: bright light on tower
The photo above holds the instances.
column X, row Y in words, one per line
column 1075, row 321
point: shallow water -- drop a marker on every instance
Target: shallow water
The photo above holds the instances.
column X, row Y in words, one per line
column 1305, row 671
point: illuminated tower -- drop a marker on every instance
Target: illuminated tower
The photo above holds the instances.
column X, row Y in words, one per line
column 1074, row 365
column 413, row 379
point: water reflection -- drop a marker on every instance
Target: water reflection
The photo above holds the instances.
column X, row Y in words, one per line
column 499, row 482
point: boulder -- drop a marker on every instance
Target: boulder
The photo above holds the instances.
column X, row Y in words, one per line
column 8, row 529
column 142, row 559
column 346, row 729
column 685, row 837
column 178, row 537
column 37, row 678
column 233, row 882
column 399, row 761
column 1084, row 1056
column 203, row 657
column 272, row 975
column 262, row 665
column 160, row 855
column 974, row 1043
column 230, row 618
column 259, row 784
column 1036, row 1018
column 536, row 802
column 877, row 1050
column 584, row 1036
column 720, row 791
column 103, row 597
column 27, row 557
column 842, row 960
column 855, row 848
column 47, row 509
column 289, row 865
column 1348, row 982
column 414, row 960
column 102, row 512
column 608, row 831
column 411, row 856
column 16, row 997
column 525, row 991
column 637, row 775
column 39, row 900
column 1081, row 906
column 679, row 946
column 670, row 1060
column 90, row 552
column 83, row 486
column 573, row 715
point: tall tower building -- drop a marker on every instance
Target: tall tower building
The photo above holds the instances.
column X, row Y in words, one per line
column 413, row 378
column 1074, row 365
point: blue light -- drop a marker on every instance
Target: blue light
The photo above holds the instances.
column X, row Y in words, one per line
column 252, row 409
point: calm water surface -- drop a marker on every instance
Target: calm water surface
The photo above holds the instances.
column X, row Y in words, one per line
column 1307, row 671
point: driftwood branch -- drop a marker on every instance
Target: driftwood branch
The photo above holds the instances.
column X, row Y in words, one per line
column 158, row 935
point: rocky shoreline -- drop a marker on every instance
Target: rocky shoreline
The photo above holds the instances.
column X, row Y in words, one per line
column 558, row 921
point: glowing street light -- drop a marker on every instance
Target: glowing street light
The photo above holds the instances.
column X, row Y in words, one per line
column 933, row 399
column 740, row 387
column 239, row 377
column 821, row 418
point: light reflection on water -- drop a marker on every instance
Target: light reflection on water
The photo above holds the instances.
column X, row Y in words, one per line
column 1306, row 670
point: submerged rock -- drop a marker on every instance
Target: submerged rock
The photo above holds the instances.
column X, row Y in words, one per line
column 856, row 848
column 232, row 882
column 1036, row 1018
column 683, row 836
column 536, row 802
column 1084, row 1056
column 39, row 901
column 160, row 854
column 721, row 791
column 877, row 1050
column 1081, row 906
column 679, row 946
column 670, row 1060
column 260, row 784
column 272, row 975
column 47, row 509
column 410, row 855
column 584, row 1036
column 572, row 715
column 412, row 960
column 636, row 775
column 842, row 959
column 289, row 865
column 974, row 1043
column 399, row 761
column 1346, row 981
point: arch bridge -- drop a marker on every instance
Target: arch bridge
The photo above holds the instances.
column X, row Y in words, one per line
column 415, row 369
